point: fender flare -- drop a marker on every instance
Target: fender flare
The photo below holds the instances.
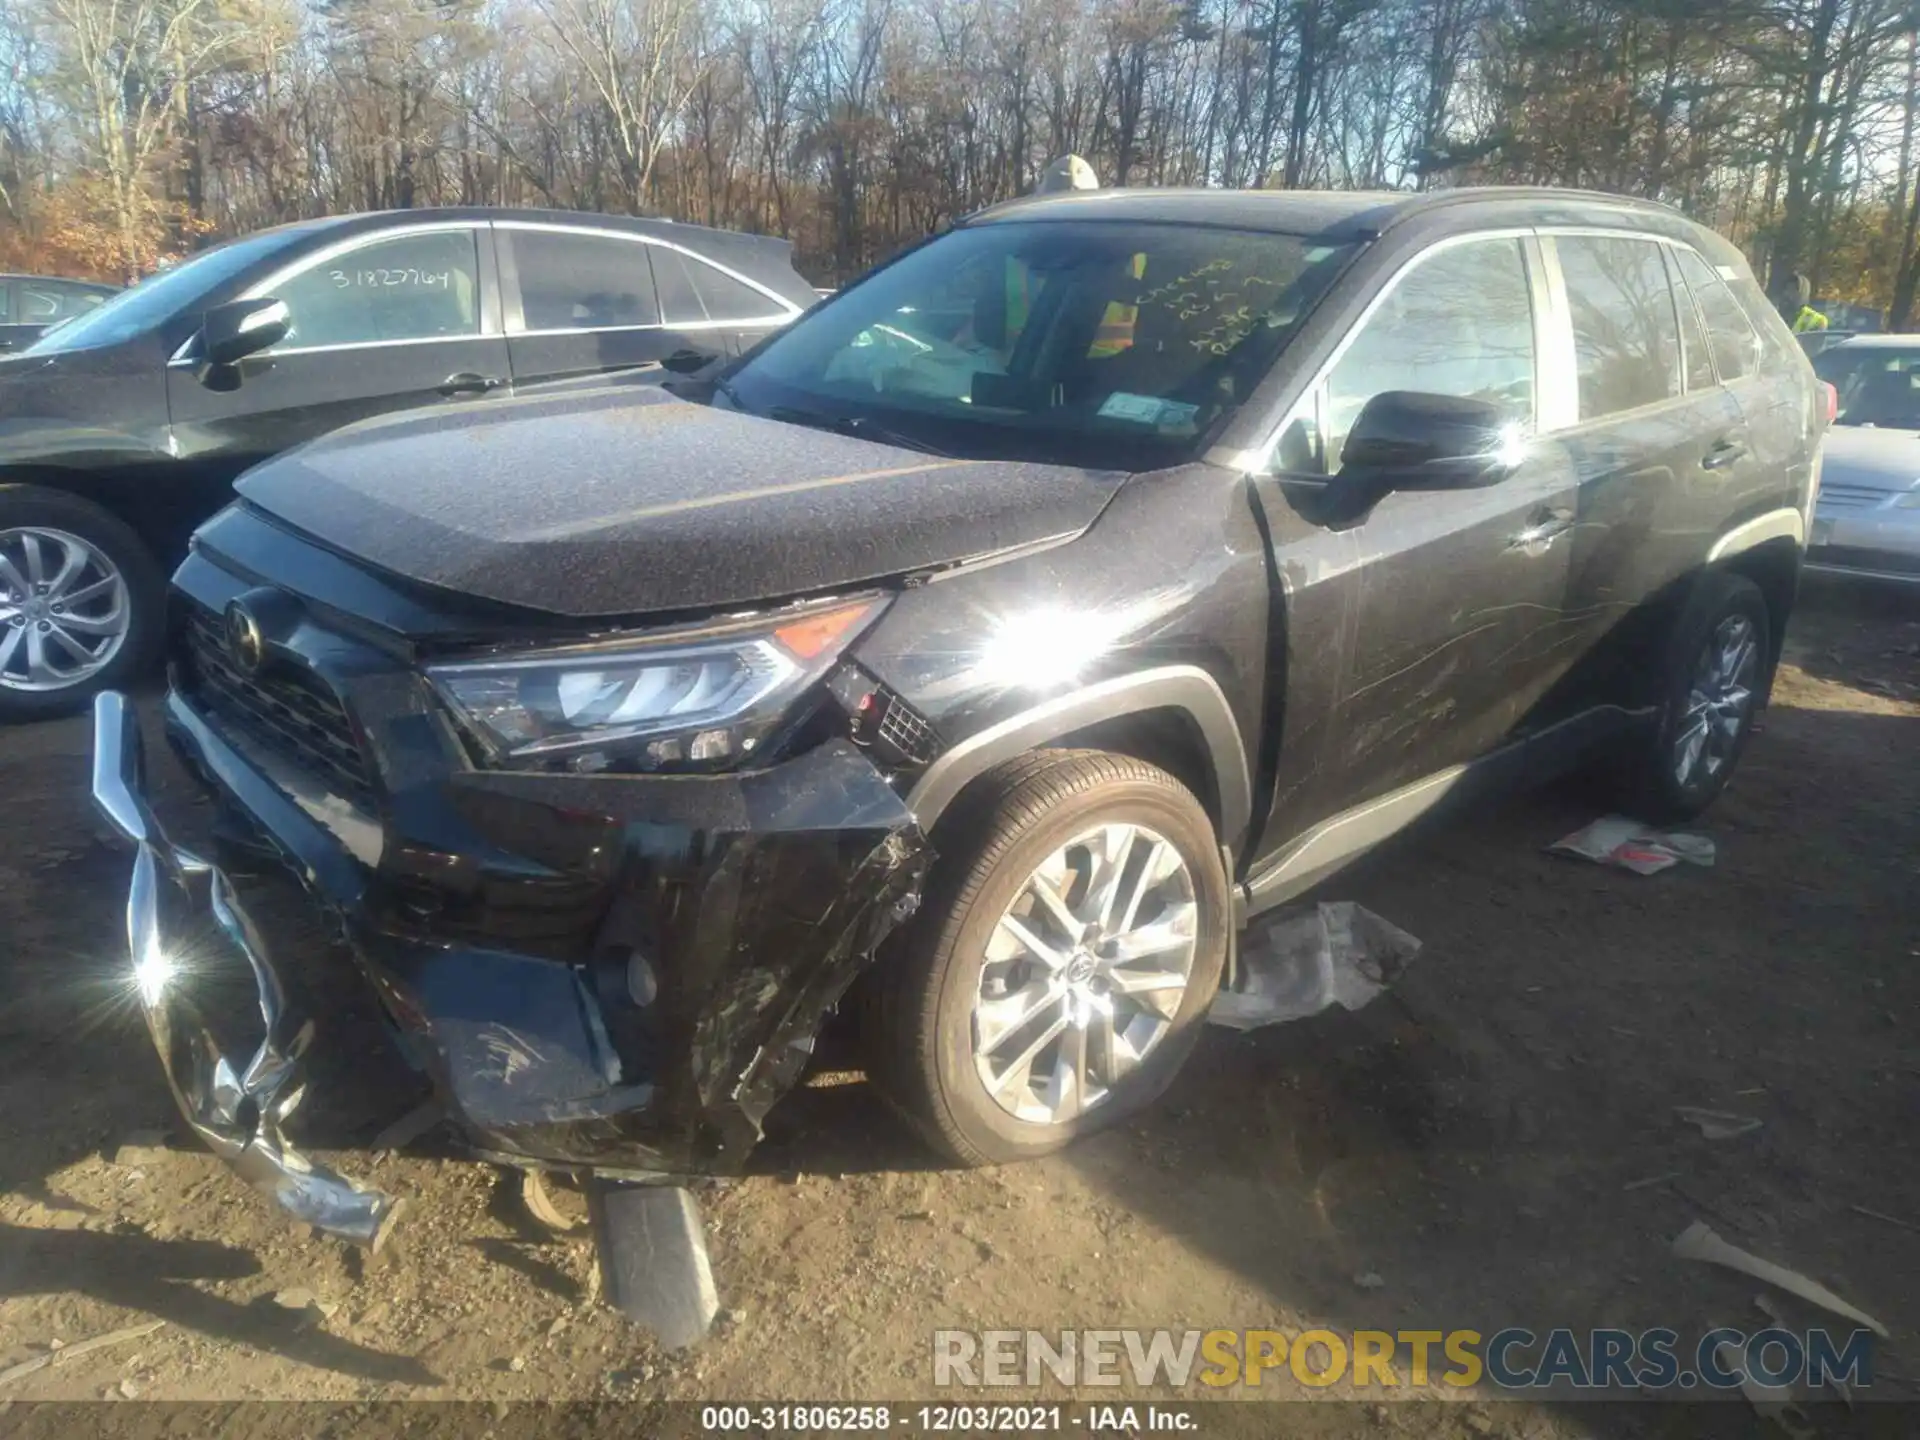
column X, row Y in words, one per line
column 1184, row 688
column 1782, row 524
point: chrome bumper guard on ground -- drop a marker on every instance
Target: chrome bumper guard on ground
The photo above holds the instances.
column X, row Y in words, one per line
column 238, row 1113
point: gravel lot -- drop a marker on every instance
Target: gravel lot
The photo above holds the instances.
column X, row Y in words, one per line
column 1477, row 1140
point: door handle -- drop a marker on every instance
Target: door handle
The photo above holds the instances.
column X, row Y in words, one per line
column 1722, row 454
column 468, row 383
column 1541, row 531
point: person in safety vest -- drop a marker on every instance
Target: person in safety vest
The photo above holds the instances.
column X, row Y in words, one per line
column 1808, row 319
column 1115, row 334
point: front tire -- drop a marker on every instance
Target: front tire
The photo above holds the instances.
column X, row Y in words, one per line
column 1715, row 678
column 1059, row 972
column 80, row 603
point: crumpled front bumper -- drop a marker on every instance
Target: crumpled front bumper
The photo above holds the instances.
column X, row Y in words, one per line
column 183, row 915
column 603, row 974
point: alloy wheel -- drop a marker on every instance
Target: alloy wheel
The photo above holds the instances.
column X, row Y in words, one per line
column 1719, row 702
column 1085, row 972
column 64, row 609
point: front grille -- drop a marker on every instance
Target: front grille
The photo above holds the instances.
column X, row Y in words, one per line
column 1850, row 497
column 293, row 716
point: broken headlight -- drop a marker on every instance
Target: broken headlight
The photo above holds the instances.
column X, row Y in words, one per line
column 685, row 700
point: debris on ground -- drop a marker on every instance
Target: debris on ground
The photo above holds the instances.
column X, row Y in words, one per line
column 1770, row 1402
column 1650, row 1181
column 1629, row 845
column 541, row 1209
column 1299, row 964
column 63, row 1353
column 1367, row 1280
column 1884, row 1218
column 1717, row 1124
column 1698, row 1242
column 305, row 1303
column 408, row 1128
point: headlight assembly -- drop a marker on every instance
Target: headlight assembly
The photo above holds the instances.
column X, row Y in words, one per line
column 686, row 700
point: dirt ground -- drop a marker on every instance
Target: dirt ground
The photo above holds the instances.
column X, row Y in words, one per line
column 1495, row 1141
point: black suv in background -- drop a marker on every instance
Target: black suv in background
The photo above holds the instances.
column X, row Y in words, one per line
column 1001, row 637
column 124, row 428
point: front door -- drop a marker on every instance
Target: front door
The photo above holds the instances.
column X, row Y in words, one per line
column 390, row 323
column 1443, row 607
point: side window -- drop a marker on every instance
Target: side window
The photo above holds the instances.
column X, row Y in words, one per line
column 6, row 304
column 1625, row 336
column 412, row 287
column 40, row 304
column 80, row 300
column 1459, row 323
column 1693, row 339
column 582, row 282
column 692, row 291
column 1735, row 343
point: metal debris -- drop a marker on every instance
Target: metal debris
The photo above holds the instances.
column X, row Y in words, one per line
column 1717, row 1124
column 63, row 1353
column 1629, row 845
column 1302, row 963
column 1698, row 1242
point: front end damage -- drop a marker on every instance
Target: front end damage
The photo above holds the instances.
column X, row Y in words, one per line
column 181, row 912
column 611, row 976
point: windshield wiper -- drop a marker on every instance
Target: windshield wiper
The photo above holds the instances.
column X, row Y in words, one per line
column 858, row 426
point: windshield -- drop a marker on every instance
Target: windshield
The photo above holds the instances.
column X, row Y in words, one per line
column 1879, row 385
column 1106, row 345
column 158, row 298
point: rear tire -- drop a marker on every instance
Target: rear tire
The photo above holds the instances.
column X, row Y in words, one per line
column 81, row 603
column 1719, row 655
column 1128, row 991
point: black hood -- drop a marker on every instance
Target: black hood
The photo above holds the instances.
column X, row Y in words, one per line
column 628, row 500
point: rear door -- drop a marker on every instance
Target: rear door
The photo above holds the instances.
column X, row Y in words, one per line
column 578, row 301
column 1771, row 386
column 391, row 321
column 708, row 306
column 1655, row 441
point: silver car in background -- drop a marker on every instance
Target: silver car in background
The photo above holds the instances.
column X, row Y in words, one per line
column 1867, row 519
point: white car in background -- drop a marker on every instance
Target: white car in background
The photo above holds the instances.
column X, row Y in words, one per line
column 1867, row 520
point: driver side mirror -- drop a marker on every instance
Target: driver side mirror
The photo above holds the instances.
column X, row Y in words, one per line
column 231, row 332
column 1407, row 440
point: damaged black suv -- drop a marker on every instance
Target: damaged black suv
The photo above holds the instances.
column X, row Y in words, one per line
column 996, row 640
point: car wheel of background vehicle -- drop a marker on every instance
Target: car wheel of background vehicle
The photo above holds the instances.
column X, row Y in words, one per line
column 1716, row 668
column 1060, row 969
column 80, row 602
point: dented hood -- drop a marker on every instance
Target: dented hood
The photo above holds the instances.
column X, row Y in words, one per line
column 626, row 500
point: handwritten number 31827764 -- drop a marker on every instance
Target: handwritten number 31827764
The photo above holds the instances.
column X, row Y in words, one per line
column 389, row 279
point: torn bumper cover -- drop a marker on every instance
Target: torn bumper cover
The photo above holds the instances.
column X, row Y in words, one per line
column 607, row 973
column 237, row 1110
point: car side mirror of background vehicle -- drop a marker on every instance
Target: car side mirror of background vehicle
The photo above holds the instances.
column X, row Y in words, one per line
column 1406, row 440
column 690, row 361
column 231, row 332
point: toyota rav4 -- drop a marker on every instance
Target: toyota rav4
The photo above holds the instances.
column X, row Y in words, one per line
column 989, row 645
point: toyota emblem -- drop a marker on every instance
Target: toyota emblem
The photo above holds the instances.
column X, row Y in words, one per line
column 245, row 644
